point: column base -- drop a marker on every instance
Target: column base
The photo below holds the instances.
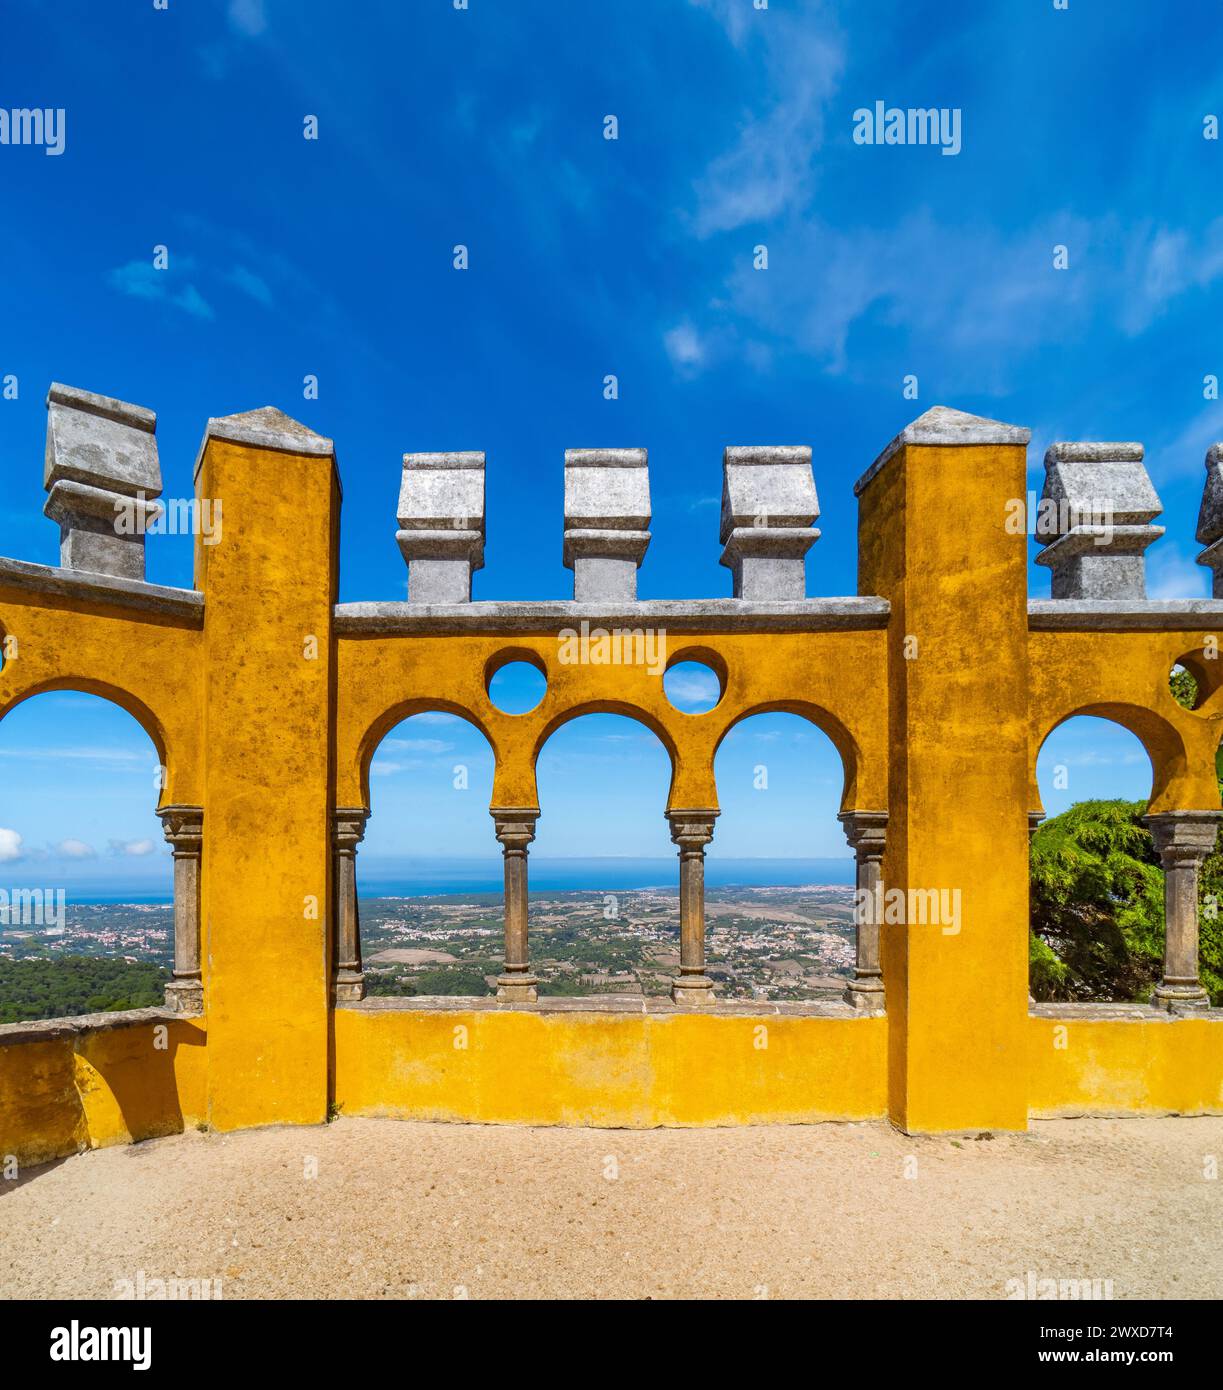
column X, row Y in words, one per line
column 695, row 991
column 866, row 996
column 1176, row 997
column 349, row 985
column 517, row 989
column 185, row 996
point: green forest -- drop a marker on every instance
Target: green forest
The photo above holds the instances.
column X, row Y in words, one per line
column 1097, row 900
column 70, row 985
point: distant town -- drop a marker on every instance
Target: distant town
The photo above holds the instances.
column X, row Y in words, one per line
column 761, row 943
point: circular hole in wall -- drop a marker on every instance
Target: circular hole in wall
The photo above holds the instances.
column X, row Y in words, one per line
column 516, row 687
column 692, row 687
column 1195, row 677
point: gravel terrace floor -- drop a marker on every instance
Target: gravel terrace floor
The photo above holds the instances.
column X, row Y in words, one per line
column 367, row 1208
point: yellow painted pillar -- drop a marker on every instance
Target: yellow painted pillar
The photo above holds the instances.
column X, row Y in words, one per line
column 934, row 540
column 269, row 587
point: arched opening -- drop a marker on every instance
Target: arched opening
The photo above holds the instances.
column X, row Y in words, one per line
column 603, row 868
column 429, row 886
column 1096, row 884
column 87, row 920
column 779, row 875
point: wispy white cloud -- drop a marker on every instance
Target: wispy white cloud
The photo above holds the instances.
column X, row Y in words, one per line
column 988, row 298
column 10, row 846
column 250, row 284
column 75, row 849
column 1184, row 455
column 416, row 745
column 142, row 280
column 1162, row 264
column 136, row 849
column 101, row 755
column 684, row 348
column 770, row 169
column 692, row 687
column 248, row 17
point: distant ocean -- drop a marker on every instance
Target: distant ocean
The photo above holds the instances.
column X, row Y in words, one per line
column 411, row 878
column 595, row 875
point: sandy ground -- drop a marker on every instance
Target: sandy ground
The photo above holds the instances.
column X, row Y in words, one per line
column 374, row 1208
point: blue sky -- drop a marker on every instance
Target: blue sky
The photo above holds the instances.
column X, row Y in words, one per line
column 484, row 127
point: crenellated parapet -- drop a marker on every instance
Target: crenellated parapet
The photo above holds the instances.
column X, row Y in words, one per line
column 266, row 698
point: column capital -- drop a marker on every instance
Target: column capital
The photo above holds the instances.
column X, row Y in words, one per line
column 1183, row 836
column 514, row 825
column 692, row 829
column 183, row 827
column 866, row 831
column 348, row 826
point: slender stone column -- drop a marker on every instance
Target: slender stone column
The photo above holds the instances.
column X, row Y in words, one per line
column 866, row 832
column 184, row 829
column 1182, row 840
column 348, row 829
column 1034, row 822
column 692, row 831
column 515, row 830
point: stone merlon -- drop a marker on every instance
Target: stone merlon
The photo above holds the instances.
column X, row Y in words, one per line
column 102, row 473
column 1094, row 520
column 441, row 524
column 1210, row 518
column 769, row 505
column 607, row 518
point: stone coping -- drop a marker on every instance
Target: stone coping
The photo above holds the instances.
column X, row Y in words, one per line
column 265, row 428
column 943, row 427
column 694, row 615
column 604, row 1004
column 1139, row 1013
column 1128, row 615
column 55, row 1029
column 186, row 605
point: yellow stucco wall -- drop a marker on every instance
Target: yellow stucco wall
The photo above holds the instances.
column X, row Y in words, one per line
column 958, row 777
column 110, row 1085
column 266, row 869
column 838, row 680
column 1123, row 676
column 148, row 663
column 620, row 1070
column 267, row 718
column 1125, row 1067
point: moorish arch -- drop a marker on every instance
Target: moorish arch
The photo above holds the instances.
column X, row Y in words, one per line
column 182, row 824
